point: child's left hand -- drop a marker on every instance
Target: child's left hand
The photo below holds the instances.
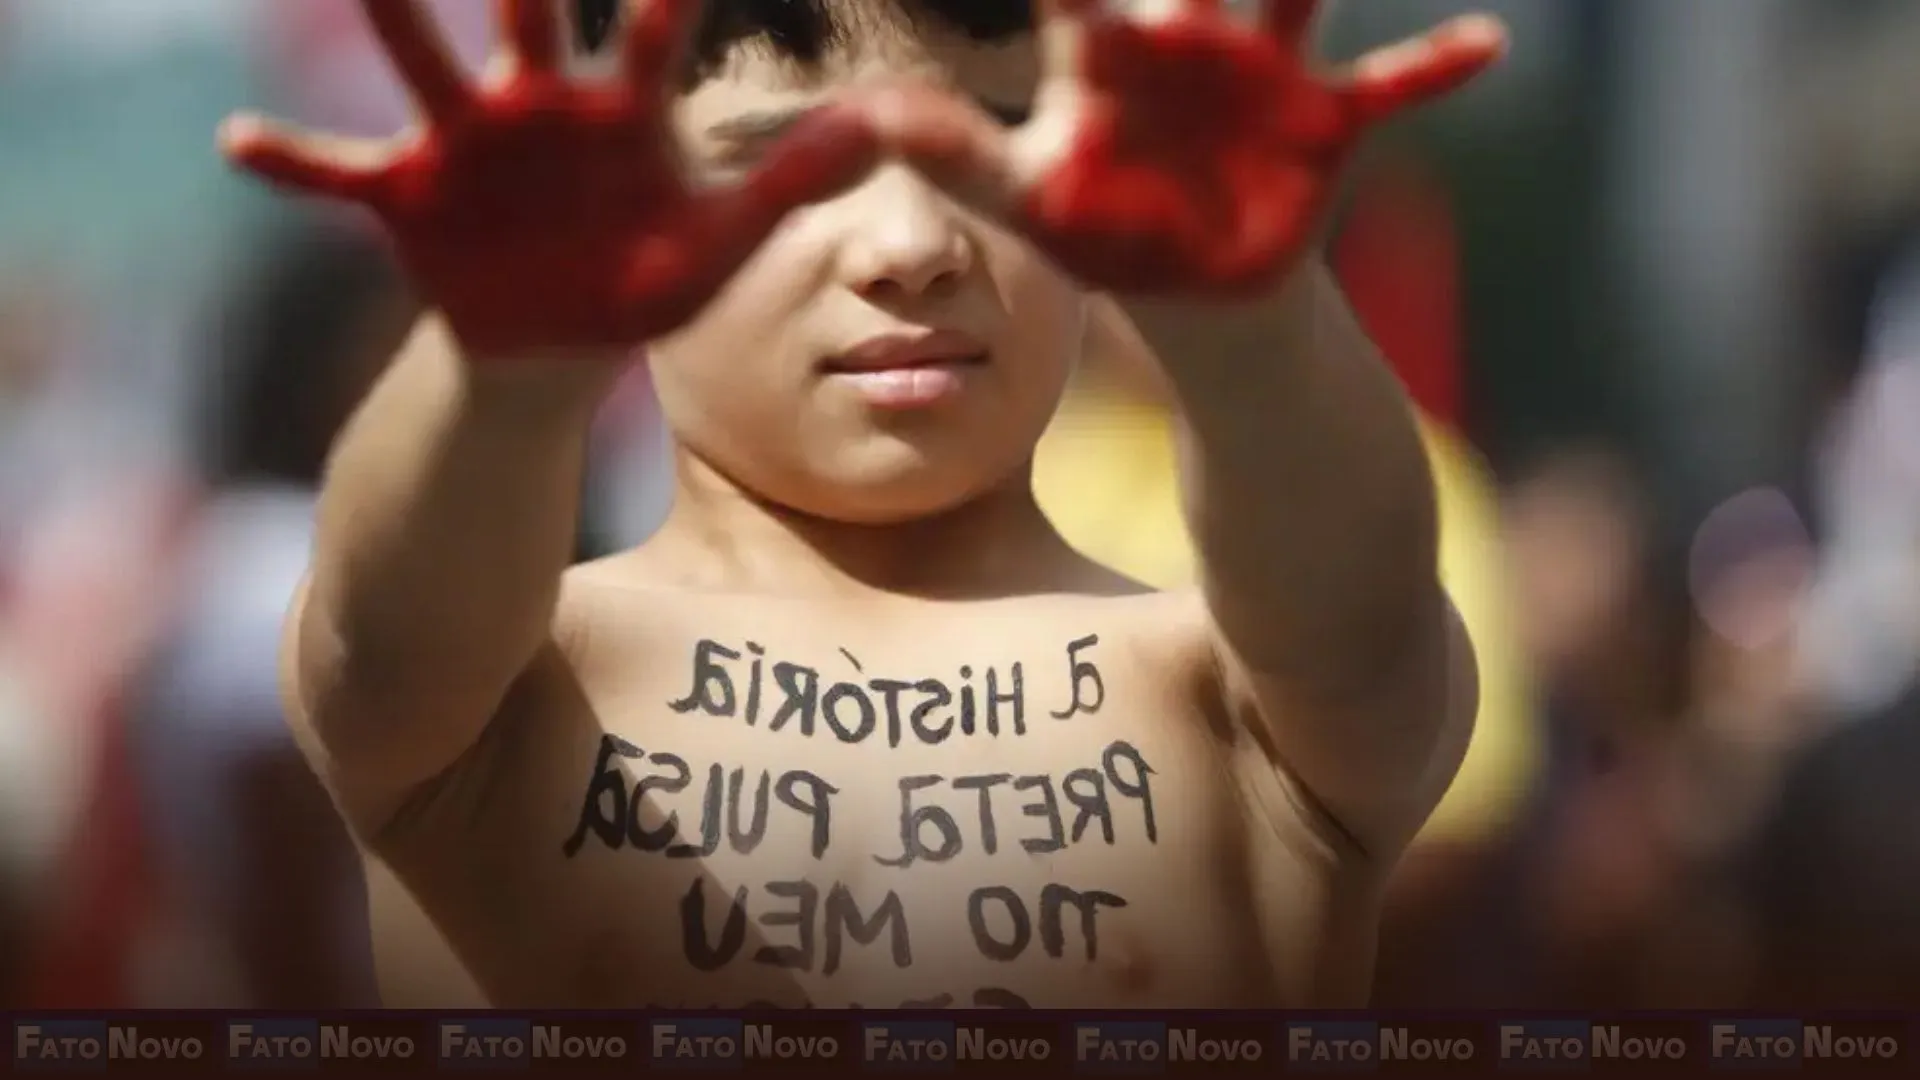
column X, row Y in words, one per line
column 1188, row 155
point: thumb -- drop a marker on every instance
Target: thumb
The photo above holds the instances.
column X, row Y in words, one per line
column 306, row 162
column 1420, row 70
column 950, row 141
column 824, row 153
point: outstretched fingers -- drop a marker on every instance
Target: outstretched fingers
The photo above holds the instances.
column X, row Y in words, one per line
column 1061, row 26
column 658, row 34
column 951, row 142
column 1423, row 69
column 532, row 30
column 420, row 53
column 309, row 164
column 825, row 152
column 1289, row 21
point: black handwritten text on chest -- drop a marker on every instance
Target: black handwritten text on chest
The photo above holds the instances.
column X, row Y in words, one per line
column 1055, row 813
column 930, row 711
column 661, row 803
column 1108, row 802
column 1041, row 813
column 611, row 810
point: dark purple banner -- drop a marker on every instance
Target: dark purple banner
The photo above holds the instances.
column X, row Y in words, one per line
column 1024, row 1043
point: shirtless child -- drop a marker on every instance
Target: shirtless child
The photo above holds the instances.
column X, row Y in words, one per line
column 856, row 726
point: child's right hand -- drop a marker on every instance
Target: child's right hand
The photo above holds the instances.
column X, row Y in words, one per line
column 544, row 217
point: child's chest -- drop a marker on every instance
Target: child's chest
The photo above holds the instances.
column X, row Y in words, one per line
column 912, row 748
column 871, row 810
column 742, row 806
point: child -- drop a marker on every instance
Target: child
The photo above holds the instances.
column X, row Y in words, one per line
column 856, row 727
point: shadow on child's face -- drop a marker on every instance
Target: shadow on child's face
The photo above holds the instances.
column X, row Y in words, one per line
column 756, row 384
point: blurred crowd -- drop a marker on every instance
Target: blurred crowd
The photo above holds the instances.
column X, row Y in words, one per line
column 1655, row 287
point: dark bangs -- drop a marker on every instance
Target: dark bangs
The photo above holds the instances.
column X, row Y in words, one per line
column 805, row 31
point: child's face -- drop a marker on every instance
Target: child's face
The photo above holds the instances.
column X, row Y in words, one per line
column 763, row 386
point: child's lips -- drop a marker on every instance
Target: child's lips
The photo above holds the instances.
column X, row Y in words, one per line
column 909, row 350
column 911, row 386
column 912, row 370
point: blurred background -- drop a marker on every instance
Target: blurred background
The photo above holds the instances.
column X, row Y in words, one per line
column 1655, row 286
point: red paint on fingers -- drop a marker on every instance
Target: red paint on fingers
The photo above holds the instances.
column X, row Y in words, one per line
column 1288, row 21
column 823, row 153
column 552, row 218
column 1425, row 69
column 657, row 38
column 1206, row 154
column 420, row 54
column 533, row 30
column 280, row 159
column 1202, row 165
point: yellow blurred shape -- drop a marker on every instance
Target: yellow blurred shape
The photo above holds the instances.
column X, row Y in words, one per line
column 1107, row 477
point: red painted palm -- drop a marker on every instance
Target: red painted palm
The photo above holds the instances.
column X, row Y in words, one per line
column 1184, row 153
column 542, row 215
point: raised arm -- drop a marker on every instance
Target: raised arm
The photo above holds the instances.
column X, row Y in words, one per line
column 1312, row 507
column 1182, row 164
column 548, row 228
column 446, row 520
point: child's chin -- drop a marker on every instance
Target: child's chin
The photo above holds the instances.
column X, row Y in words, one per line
column 905, row 485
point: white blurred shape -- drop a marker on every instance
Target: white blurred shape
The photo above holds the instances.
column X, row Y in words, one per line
column 1749, row 568
column 1862, row 638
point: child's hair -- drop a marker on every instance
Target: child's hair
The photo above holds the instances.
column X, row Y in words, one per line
column 807, row 30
